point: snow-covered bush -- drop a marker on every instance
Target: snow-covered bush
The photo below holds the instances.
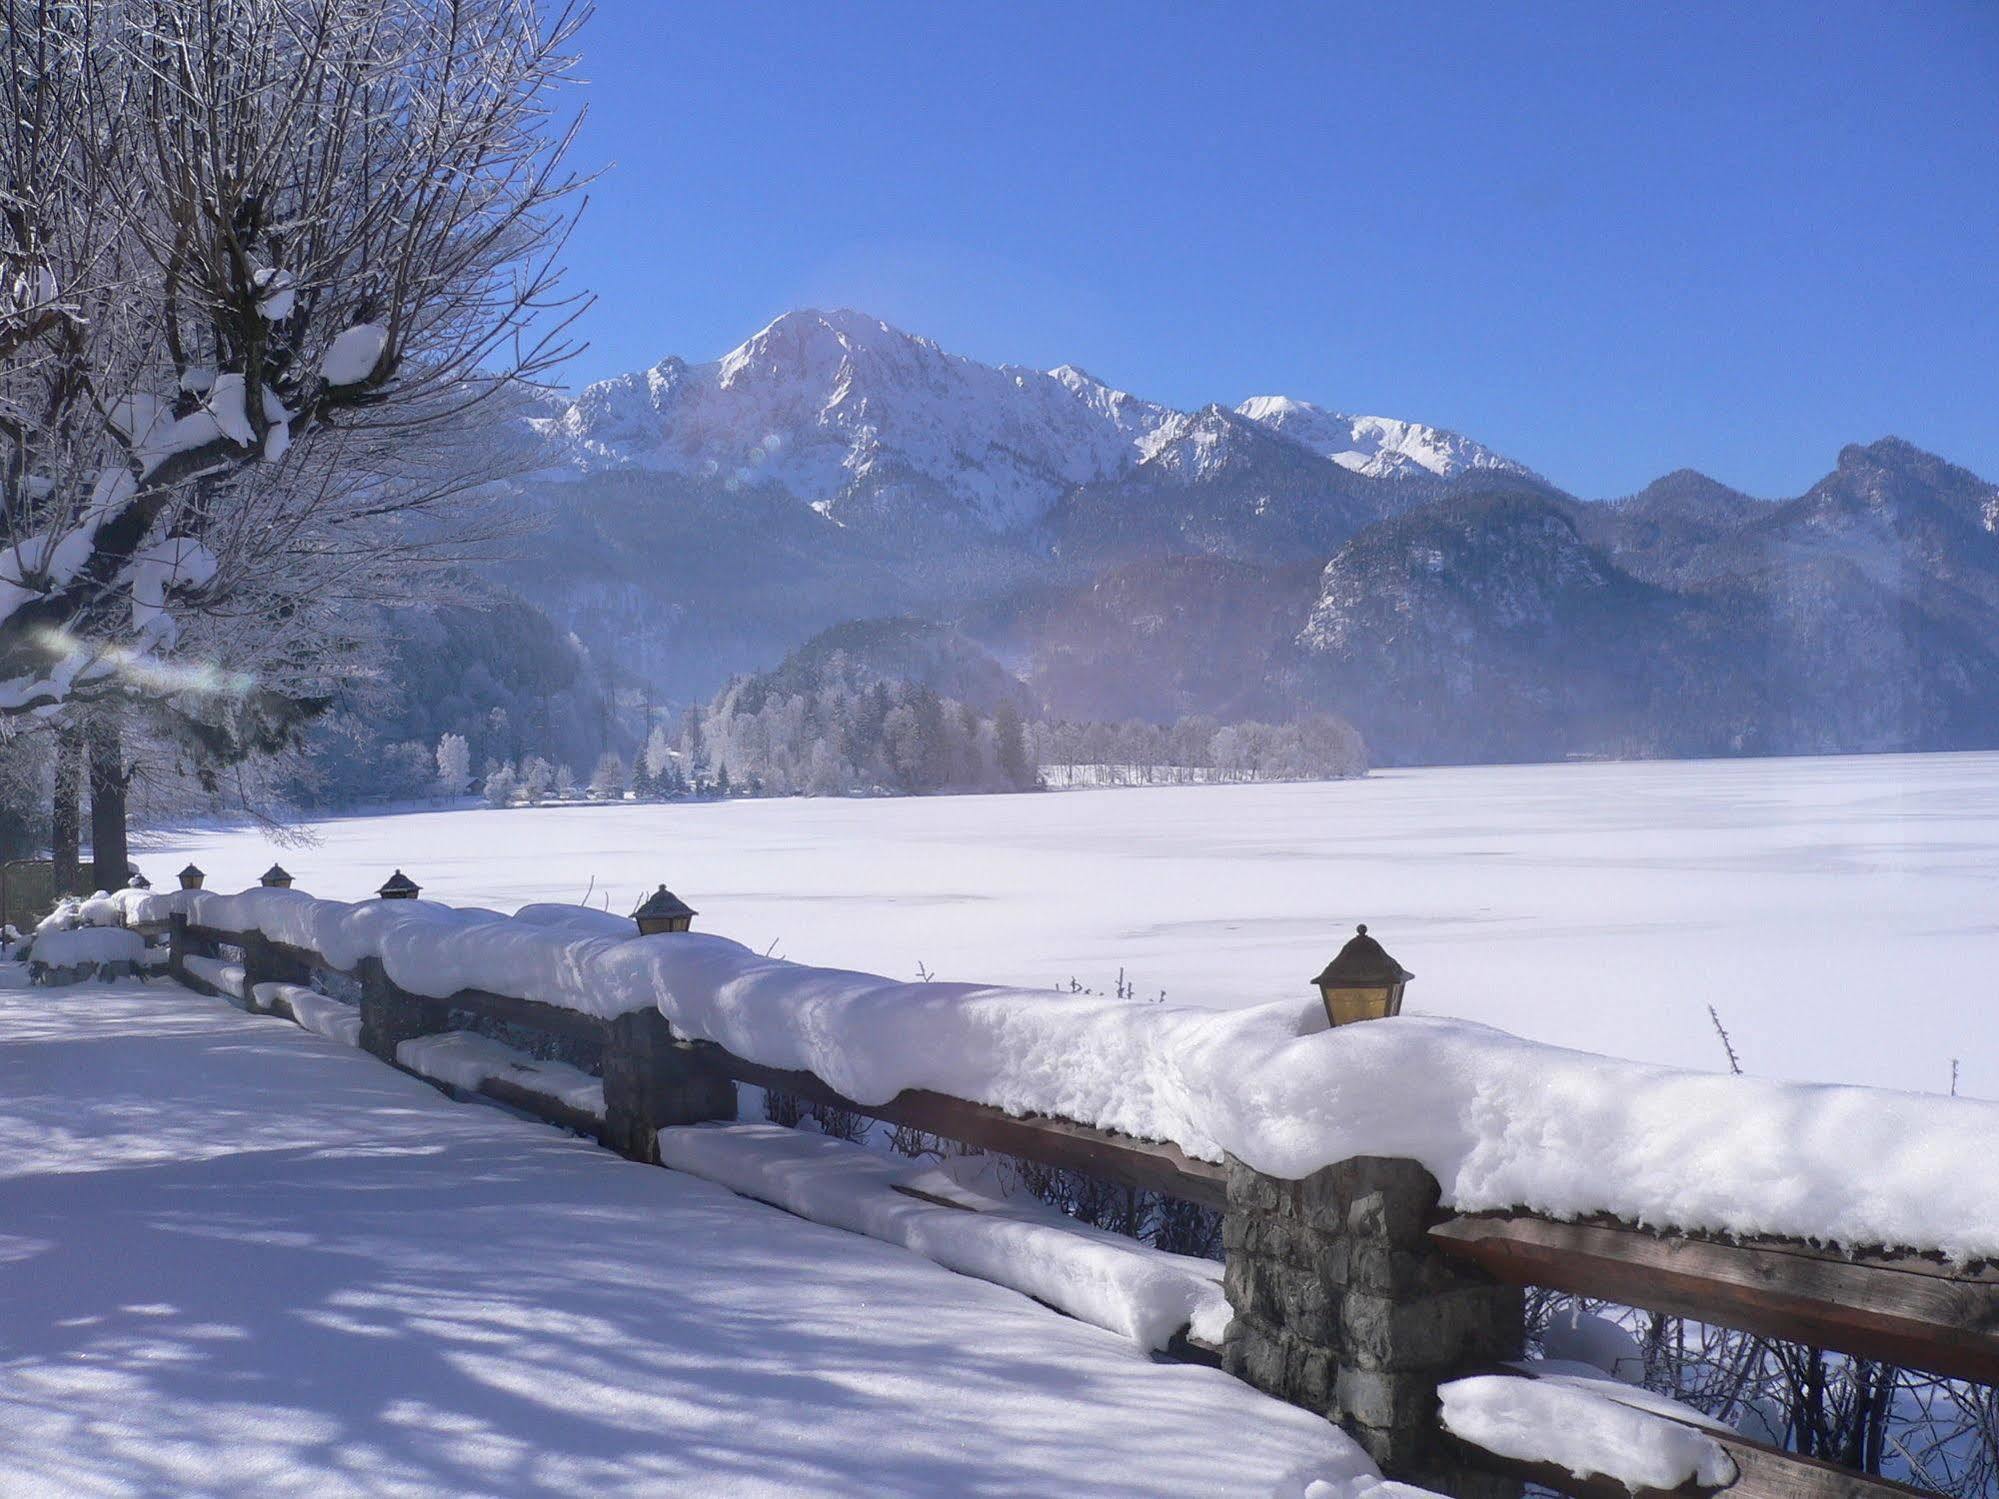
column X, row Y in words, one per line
column 69, row 956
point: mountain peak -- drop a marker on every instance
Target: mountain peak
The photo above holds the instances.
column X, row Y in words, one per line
column 1892, row 453
column 1682, row 488
column 1891, row 475
column 1378, row 446
column 810, row 343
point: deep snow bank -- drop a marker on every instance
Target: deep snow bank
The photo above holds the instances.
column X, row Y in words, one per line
column 1500, row 1122
column 1141, row 1293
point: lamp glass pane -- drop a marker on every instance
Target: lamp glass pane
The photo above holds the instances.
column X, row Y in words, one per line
column 1344, row 1006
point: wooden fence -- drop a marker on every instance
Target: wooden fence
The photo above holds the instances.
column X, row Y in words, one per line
column 27, row 892
column 1355, row 1294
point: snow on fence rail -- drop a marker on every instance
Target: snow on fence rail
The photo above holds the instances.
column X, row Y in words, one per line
column 1385, row 1186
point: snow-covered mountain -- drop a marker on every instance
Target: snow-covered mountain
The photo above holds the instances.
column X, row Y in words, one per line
column 1382, row 447
column 864, row 421
column 1271, row 558
column 843, row 411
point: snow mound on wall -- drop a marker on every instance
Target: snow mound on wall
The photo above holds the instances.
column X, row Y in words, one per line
column 67, row 948
column 1499, row 1121
column 1117, row 1284
column 1583, row 1430
column 72, row 911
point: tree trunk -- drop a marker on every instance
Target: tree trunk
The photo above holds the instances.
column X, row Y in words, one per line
column 110, row 859
column 66, row 813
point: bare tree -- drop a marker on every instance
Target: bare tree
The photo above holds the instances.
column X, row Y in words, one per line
column 262, row 260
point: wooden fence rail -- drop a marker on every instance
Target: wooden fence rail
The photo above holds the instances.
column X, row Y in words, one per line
column 1355, row 1292
column 1916, row 1312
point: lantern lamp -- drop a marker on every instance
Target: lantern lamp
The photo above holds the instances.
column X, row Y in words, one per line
column 275, row 878
column 663, row 911
column 191, row 878
column 399, row 886
column 1363, row 982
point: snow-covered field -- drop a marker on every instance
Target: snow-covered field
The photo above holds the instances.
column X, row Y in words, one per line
column 242, row 1259
column 1842, row 914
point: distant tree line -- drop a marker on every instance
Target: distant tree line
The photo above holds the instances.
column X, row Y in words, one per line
column 1198, row 748
column 847, row 737
column 497, row 701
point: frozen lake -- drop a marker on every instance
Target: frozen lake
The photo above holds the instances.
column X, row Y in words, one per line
column 1841, row 914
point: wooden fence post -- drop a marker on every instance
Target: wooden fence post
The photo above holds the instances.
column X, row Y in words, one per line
column 391, row 1015
column 177, row 947
column 652, row 1080
column 1343, row 1306
column 263, row 964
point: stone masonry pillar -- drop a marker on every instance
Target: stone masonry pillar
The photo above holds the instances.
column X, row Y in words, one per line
column 652, row 1080
column 1342, row 1306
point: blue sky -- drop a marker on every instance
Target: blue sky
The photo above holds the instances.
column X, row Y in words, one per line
column 1610, row 240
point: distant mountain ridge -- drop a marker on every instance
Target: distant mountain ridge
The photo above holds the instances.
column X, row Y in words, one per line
column 1121, row 558
column 861, row 420
column 1861, row 616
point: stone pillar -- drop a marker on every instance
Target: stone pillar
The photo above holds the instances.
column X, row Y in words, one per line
column 391, row 1016
column 652, row 1080
column 1343, row 1306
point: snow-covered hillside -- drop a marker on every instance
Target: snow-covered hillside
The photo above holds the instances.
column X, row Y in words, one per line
column 1382, row 447
column 854, row 416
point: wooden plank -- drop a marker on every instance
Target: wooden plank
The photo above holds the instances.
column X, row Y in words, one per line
column 1767, row 1473
column 573, row 1025
column 1918, row 1314
column 541, row 1105
column 1144, row 1164
column 1761, row 1473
